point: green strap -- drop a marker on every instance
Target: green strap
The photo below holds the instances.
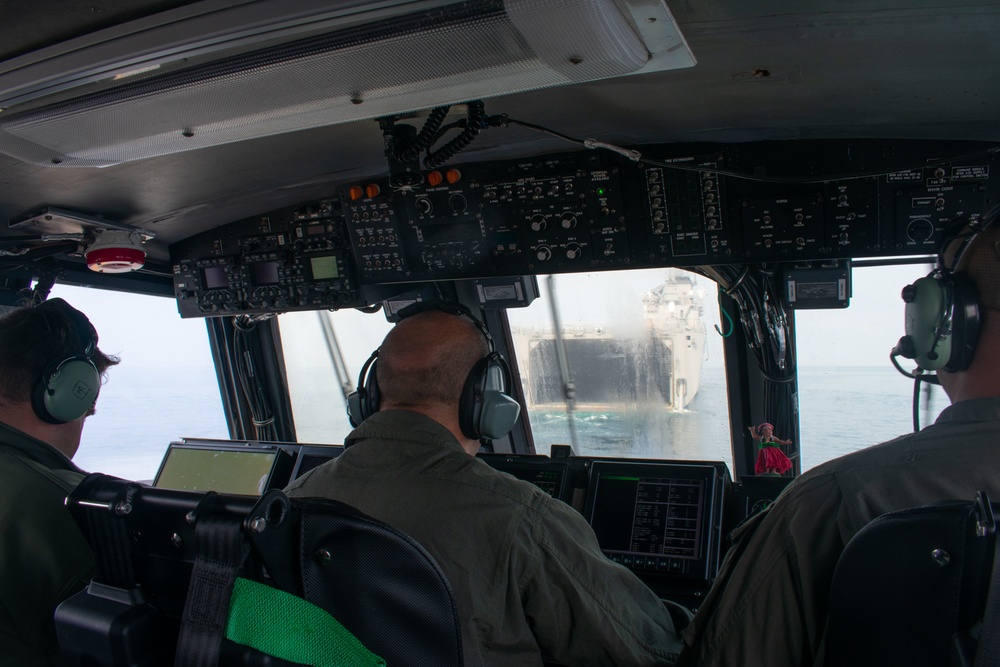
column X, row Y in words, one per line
column 305, row 633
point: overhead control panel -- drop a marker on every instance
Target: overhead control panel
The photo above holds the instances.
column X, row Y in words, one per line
column 682, row 205
column 292, row 259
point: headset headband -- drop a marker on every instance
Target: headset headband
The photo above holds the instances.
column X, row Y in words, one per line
column 966, row 230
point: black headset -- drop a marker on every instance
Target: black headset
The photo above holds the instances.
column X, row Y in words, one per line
column 485, row 409
column 942, row 308
column 68, row 387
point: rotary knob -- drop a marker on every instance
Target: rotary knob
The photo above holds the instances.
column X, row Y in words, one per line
column 920, row 230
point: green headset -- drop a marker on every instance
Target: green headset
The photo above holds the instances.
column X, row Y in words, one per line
column 485, row 409
column 942, row 308
column 68, row 386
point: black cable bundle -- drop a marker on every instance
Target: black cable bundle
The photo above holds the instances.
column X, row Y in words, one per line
column 244, row 348
column 428, row 133
column 476, row 121
column 756, row 292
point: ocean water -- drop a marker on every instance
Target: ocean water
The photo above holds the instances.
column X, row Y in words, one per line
column 846, row 409
column 141, row 410
column 841, row 410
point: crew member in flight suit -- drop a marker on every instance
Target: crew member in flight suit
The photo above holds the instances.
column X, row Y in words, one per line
column 529, row 577
column 50, row 375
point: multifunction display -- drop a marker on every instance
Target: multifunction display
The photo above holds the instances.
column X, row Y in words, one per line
column 656, row 517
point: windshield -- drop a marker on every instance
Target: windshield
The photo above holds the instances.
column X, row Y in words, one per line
column 850, row 396
column 316, row 345
column 643, row 365
column 649, row 379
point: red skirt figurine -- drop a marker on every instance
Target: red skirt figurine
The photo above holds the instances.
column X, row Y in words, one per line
column 770, row 459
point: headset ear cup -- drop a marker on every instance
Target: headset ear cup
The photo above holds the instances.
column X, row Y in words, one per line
column 372, row 394
column 485, row 409
column 66, row 390
column 470, row 404
column 363, row 402
column 354, row 409
column 942, row 321
column 964, row 324
column 927, row 302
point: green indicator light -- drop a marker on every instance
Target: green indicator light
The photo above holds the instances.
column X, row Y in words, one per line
column 600, row 191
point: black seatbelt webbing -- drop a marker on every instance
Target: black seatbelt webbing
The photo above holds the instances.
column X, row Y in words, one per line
column 222, row 549
column 988, row 649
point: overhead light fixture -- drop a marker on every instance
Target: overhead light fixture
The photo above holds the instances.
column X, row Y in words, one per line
column 115, row 251
column 372, row 61
column 110, row 247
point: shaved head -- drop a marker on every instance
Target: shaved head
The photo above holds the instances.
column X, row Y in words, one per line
column 426, row 358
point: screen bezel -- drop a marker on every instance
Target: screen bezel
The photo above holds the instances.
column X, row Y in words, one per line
column 701, row 568
column 309, row 451
column 513, row 464
column 277, row 475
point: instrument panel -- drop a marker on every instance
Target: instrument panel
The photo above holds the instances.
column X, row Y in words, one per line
column 683, row 205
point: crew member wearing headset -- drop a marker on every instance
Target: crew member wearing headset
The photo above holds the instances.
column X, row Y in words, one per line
column 50, row 375
column 768, row 605
column 529, row 578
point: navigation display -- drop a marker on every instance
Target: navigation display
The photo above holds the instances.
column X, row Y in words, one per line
column 215, row 277
column 237, row 469
column 266, row 273
column 654, row 517
column 324, row 267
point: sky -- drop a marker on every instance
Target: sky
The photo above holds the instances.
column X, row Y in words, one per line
column 864, row 333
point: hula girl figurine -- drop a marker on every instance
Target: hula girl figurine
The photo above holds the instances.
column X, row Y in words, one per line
column 770, row 459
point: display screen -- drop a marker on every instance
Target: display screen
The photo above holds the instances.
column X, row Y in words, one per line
column 313, row 456
column 553, row 477
column 315, row 230
column 265, row 273
column 651, row 516
column 500, row 293
column 324, row 268
column 451, row 231
column 240, row 470
column 215, row 277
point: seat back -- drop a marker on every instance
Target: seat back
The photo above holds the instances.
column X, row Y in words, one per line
column 910, row 586
column 378, row 583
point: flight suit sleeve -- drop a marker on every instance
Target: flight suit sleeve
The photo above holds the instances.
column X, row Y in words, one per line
column 43, row 560
column 585, row 609
column 769, row 603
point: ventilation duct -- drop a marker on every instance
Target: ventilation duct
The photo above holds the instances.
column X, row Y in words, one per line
column 348, row 68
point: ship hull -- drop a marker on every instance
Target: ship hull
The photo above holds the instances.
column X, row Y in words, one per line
column 614, row 374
